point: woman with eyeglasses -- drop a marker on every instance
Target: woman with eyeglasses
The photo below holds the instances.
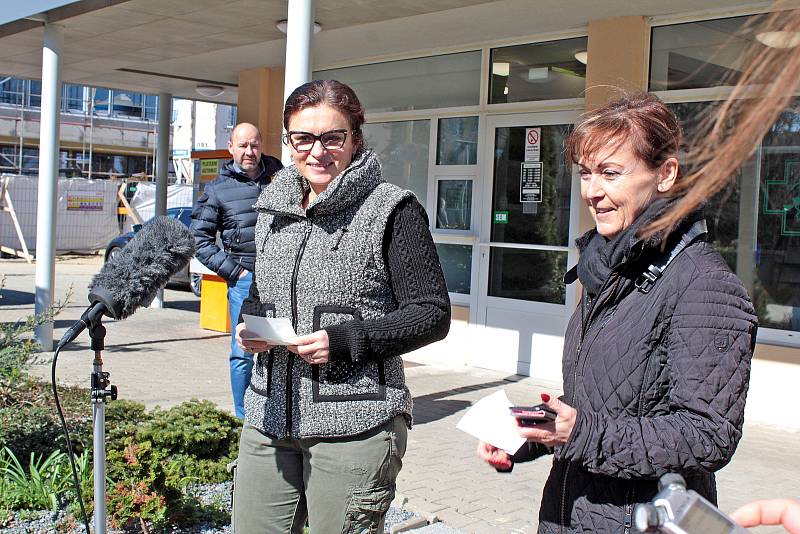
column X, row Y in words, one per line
column 350, row 260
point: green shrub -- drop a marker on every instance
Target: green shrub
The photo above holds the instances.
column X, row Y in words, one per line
column 123, row 419
column 153, row 459
column 35, row 430
column 140, row 490
column 200, row 438
column 41, row 484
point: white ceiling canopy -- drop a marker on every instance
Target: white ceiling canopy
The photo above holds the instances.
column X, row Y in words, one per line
column 176, row 45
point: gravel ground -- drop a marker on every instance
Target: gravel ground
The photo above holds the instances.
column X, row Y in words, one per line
column 45, row 522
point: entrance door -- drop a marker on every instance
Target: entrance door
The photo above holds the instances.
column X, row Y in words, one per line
column 526, row 244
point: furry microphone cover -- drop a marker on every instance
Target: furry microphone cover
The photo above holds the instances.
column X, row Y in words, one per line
column 160, row 249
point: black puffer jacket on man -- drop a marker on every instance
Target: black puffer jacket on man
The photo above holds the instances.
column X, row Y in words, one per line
column 226, row 205
column 659, row 380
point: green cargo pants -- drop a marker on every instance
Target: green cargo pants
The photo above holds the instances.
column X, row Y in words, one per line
column 338, row 484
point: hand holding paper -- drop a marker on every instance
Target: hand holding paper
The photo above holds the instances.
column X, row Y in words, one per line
column 489, row 420
column 276, row 331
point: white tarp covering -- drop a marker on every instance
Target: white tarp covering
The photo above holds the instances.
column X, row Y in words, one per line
column 86, row 219
column 144, row 200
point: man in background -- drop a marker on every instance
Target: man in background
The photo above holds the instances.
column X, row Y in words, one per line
column 226, row 206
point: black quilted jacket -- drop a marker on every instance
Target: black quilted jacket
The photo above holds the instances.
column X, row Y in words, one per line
column 226, row 205
column 659, row 381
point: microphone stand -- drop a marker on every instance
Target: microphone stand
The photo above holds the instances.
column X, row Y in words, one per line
column 101, row 392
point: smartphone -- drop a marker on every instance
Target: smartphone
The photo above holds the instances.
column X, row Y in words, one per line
column 533, row 415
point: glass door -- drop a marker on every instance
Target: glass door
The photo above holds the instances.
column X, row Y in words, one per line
column 528, row 228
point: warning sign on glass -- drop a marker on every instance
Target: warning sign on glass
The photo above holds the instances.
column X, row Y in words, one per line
column 530, row 183
column 533, row 145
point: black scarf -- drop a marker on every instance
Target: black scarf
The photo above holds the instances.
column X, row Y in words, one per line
column 601, row 256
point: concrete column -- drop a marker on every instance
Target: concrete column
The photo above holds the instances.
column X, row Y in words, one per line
column 49, row 134
column 260, row 102
column 299, row 36
column 617, row 59
column 162, row 155
column 162, row 166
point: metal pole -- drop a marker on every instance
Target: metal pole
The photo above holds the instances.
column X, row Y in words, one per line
column 99, row 450
column 91, row 130
column 299, row 36
column 48, row 180
column 22, row 125
column 162, row 163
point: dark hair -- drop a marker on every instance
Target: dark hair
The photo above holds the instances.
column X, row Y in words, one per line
column 331, row 93
column 642, row 119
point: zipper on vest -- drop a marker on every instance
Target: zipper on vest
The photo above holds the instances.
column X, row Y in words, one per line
column 293, row 293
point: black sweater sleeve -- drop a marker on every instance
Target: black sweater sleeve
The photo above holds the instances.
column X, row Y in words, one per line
column 423, row 305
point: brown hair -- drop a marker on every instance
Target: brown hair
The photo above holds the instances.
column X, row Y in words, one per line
column 330, row 93
column 727, row 138
column 641, row 119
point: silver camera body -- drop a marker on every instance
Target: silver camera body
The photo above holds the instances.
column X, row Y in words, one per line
column 676, row 510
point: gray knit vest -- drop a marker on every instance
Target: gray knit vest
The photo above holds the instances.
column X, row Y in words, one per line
column 319, row 267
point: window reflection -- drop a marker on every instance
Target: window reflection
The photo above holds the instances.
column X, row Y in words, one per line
column 535, row 275
column 456, row 263
column 453, row 204
column 540, row 71
column 536, row 223
column 755, row 222
column 449, row 80
column 403, row 151
column 73, row 98
column 699, row 54
column 457, row 141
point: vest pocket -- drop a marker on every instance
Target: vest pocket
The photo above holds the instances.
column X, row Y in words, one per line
column 339, row 381
column 261, row 378
column 263, row 372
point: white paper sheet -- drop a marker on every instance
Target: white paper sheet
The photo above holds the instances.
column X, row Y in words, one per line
column 489, row 420
column 278, row 330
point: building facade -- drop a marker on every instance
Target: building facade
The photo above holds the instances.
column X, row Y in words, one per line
column 468, row 104
column 107, row 133
column 478, row 134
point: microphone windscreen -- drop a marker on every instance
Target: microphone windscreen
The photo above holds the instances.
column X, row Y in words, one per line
column 133, row 277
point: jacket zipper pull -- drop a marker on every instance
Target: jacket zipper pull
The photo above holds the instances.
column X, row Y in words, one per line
column 628, row 517
column 339, row 238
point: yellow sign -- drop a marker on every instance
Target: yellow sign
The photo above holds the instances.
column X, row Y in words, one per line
column 209, row 167
column 84, row 202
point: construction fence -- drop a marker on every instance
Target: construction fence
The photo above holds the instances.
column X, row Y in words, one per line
column 87, row 213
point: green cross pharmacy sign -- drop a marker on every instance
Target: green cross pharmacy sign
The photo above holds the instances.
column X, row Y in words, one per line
column 782, row 197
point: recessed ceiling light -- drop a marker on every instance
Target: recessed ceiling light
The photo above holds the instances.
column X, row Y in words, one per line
column 501, row 68
column 582, row 56
column 210, row 91
column 780, row 39
column 283, row 24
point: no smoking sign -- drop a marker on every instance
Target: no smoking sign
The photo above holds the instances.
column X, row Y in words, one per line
column 532, row 145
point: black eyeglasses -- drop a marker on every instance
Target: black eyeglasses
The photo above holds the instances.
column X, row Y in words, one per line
column 304, row 141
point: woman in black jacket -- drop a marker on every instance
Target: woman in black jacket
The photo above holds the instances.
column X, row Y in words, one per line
column 657, row 355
